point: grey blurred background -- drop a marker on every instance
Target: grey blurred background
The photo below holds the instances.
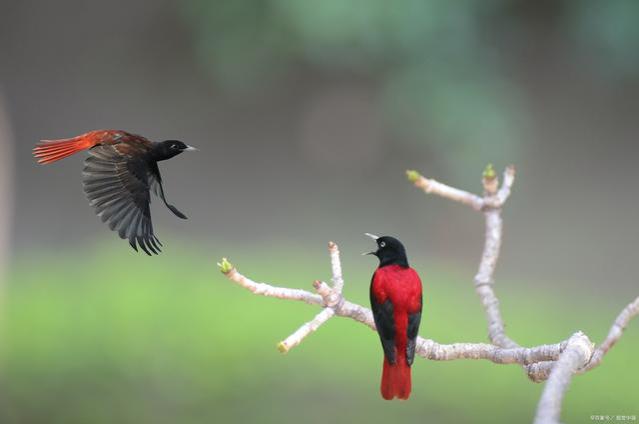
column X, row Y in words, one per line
column 308, row 114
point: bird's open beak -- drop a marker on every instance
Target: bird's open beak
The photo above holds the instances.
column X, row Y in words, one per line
column 190, row 149
column 374, row 237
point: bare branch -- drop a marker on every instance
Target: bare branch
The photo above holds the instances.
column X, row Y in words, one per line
column 492, row 244
column 305, row 330
column 430, row 185
column 575, row 356
column 490, row 204
column 425, row 348
column 324, row 290
column 336, row 267
column 620, row 324
column 577, row 359
column 264, row 289
column 556, row 363
column 509, row 179
column 540, row 371
column 431, row 350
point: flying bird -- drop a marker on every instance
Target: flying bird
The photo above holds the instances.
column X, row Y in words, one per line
column 118, row 177
column 396, row 301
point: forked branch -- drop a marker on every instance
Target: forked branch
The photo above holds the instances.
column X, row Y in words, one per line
column 334, row 304
column 556, row 363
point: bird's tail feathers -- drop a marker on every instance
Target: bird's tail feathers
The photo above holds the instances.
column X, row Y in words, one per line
column 48, row 151
column 396, row 379
column 176, row 211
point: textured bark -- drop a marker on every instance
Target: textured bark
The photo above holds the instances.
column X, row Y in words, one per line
column 335, row 305
column 577, row 353
column 556, row 363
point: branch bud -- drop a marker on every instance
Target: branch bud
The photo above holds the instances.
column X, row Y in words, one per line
column 413, row 176
column 489, row 172
column 490, row 180
column 225, row 266
column 281, row 346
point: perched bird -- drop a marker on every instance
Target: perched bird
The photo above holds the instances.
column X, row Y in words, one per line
column 118, row 176
column 396, row 300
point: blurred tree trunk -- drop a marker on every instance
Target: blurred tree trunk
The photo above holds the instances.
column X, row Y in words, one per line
column 6, row 190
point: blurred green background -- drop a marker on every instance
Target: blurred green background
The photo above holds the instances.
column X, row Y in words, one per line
column 307, row 114
column 178, row 342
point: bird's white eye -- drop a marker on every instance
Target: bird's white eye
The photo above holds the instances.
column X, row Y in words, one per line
column 174, row 146
column 382, row 244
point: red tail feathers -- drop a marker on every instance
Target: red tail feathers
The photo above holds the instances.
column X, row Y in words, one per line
column 396, row 380
column 48, row 151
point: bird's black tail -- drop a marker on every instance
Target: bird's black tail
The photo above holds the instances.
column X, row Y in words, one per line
column 175, row 211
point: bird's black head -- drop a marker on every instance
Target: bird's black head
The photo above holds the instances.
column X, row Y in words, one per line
column 167, row 149
column 390, row 251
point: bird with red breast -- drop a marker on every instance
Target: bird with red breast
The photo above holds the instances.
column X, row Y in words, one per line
column 118, row 178
column 396, row 301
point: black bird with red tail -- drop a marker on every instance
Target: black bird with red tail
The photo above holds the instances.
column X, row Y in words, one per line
column 118, row 177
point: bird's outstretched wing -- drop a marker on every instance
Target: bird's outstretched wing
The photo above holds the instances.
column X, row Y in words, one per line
column 117, row 186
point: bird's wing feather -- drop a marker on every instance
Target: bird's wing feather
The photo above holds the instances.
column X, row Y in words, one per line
column 155, row 181
column 412, row 330
column 414, row 317
column 384, row 321
column 117, row 186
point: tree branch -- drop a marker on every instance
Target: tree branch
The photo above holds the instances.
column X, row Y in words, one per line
column 556, row 363
column 336, row 267
column 558, row 372
column 264, row 289
column 305, row 330
column 541, row 370
column 575, row 356
column 620, row 324
column 491, row 205
column 334, row 304
column 430, row 185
